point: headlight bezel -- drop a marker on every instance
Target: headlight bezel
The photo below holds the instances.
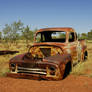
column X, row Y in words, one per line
column 12, row 67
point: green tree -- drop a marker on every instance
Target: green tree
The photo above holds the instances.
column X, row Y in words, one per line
column 90, row 35
column 11, row 32
column 34, row 31
column 27, row 34
column 83, row 36
column 79, row 36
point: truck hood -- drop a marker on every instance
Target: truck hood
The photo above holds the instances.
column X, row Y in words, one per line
column 53, row 60
column 22, row 60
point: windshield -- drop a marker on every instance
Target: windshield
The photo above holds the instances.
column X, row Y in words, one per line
column 51, row 36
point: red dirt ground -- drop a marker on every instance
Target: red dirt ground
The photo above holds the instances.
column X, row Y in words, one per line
column 70, row 84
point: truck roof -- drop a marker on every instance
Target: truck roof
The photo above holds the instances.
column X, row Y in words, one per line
column 66, row 29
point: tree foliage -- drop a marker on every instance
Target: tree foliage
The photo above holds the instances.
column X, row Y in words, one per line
column 84, row 36
column 90, row 35
column 27, row 34
column 11, row 32
column 87, row 36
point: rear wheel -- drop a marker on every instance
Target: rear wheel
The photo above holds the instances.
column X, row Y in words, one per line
column 85, row 55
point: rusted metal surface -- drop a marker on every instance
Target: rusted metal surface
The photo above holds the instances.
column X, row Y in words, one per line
column 45, row 51
column 58, row 29
column 8, row 52
column 49, row 60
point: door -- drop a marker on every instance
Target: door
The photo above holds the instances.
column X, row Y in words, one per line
column 73, row 44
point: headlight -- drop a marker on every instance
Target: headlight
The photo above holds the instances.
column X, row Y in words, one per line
column 13, row 67
column 52, row 70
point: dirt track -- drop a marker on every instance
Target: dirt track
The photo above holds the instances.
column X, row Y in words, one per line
column 70, row 84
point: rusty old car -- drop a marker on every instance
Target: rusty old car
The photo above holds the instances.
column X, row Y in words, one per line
column 54, row 52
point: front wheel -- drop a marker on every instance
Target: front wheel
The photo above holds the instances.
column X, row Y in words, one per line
column 68, row 69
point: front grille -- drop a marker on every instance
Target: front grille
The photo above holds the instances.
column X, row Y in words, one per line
column 31, row 70
column 27, row 65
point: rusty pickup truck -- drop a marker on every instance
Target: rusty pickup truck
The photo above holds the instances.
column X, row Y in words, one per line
column 54, row 52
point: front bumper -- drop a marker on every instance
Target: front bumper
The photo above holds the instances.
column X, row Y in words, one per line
column 35, row 71
column 31, row 76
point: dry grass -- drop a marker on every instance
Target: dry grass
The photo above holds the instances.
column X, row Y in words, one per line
column 4, row 59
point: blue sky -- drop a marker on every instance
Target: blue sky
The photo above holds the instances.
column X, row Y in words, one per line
column 48, row 13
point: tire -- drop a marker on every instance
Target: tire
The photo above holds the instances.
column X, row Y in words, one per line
column 85, row 55
column 68, row 69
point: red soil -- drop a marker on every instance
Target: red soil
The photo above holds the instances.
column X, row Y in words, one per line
column 70, row 84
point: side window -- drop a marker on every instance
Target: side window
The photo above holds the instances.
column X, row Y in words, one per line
column 38, row 37
column 71, row 37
